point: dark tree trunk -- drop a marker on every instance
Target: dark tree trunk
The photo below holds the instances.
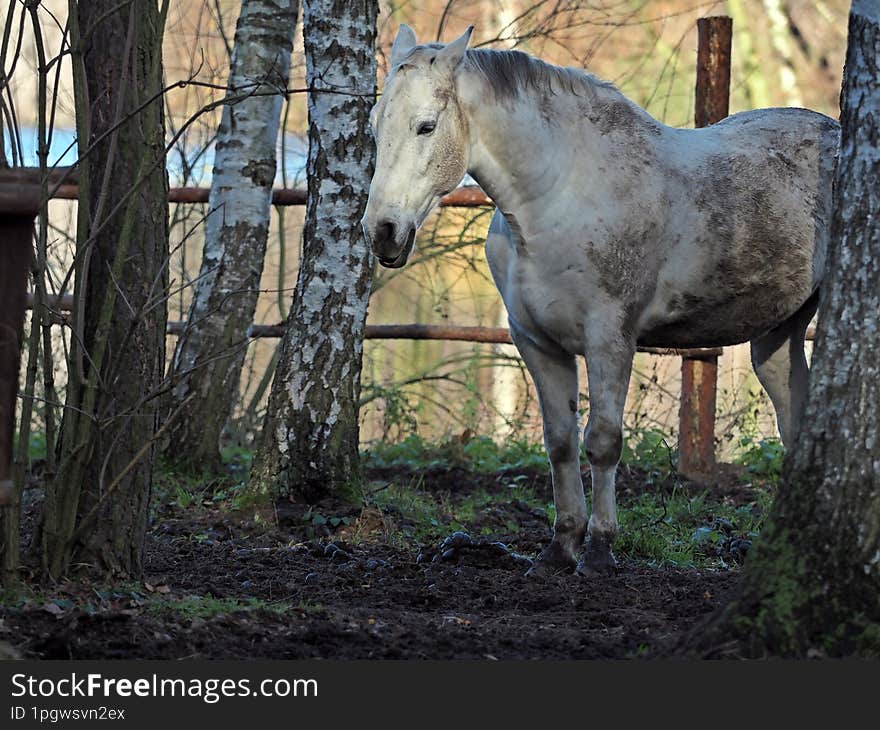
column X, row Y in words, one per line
column 96, row 509
column 210, row 352
column 309, row 446
column 812, row 585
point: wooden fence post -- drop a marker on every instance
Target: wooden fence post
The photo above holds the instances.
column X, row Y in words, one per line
column 18, row 207
column 699, row 375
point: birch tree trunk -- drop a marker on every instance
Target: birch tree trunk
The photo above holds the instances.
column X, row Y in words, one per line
column 210, row 352
column 96, row 508
column 812, row 585
column 309, row 445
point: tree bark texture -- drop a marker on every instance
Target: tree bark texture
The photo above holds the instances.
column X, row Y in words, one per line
column 210, row 352
column 96, row 508
column 812, row 585
column 309, row 444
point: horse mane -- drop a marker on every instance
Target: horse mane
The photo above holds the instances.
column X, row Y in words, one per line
column 508, row 73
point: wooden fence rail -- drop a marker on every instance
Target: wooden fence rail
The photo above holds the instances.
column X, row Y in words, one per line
column 462, row 333
column 19, row 190
column 415, row 331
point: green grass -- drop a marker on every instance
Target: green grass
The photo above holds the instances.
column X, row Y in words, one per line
column 479, row 454
column 658, row 528
column 184, row 490
column 661, row 530
column 102, row 598
column 205, row 607
column 427, row 516
column 684, row 530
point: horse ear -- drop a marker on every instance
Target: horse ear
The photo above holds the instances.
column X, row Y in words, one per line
column 451, row 55
column 403, row 44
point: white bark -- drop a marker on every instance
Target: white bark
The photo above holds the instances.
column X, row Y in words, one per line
column 842, row 438
column 209, row 354
column 311, row 436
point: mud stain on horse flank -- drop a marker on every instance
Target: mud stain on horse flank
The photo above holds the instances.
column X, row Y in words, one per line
column 618, row 263
column 621, row 271
column 759, row 253
column 758, row 266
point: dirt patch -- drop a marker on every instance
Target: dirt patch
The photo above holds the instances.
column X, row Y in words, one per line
column 378, row 604
column 222, row 586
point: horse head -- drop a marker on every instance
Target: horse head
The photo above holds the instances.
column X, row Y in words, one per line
column 422, row 143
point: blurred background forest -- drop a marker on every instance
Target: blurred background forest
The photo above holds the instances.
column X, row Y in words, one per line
column 784, row 54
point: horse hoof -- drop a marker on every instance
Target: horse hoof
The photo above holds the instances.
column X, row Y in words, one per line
column 596, row 560
column 553, row 560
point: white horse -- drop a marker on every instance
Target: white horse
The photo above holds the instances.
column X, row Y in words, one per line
column 612, row 230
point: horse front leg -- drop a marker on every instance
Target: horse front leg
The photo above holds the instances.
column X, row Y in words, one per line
column 609, row 363
column 555, row 378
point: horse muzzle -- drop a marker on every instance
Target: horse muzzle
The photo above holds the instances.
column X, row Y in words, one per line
column 391, row 242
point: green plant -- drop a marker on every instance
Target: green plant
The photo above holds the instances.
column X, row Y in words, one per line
column 685, row 530
column 649, row 449
column 762, row 458
column 186, row 489
column 399, row 415
column 314, row 520
column 183, row 496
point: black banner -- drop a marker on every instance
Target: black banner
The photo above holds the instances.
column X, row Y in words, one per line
column 220, row 694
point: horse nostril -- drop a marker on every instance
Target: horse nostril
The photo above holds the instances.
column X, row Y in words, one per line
column 385, row 232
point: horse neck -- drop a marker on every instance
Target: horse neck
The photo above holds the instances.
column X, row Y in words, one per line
column 513, row 154
column 525, row 150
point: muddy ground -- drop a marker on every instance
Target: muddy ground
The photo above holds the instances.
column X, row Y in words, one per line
column 221, row 585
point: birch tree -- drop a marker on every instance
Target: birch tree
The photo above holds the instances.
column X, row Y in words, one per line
column 309, row 444
column 210, row 353
column 812, row 585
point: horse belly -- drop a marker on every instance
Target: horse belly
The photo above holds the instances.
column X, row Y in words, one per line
column 706, row 329
column 719, row 316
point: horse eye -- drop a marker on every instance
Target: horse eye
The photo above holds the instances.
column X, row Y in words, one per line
column 426, row 127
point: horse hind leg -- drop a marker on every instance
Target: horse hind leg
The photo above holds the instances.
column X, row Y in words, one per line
column 780, row 363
